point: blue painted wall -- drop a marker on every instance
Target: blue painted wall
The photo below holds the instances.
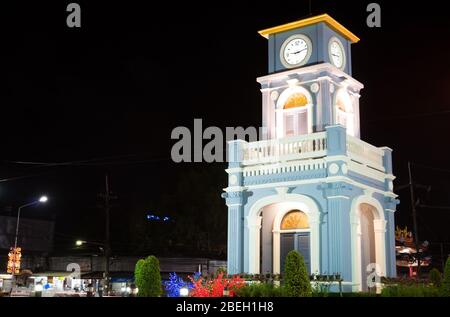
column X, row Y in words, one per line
column 319, row 34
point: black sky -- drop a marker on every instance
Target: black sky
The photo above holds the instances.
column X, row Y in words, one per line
column 133, row 72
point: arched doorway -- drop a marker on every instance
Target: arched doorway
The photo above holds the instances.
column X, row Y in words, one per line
column 368, row 229
column 295, row 235
column 283, row 203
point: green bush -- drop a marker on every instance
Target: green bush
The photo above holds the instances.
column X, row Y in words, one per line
column 222, row 270
column 138, row 278
column 261, row 290
column 418, row 290
column 445, row 286
column 435, row 278
column 147, row 277
column 296, row 279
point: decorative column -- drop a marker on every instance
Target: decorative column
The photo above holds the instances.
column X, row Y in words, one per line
column 235, row 197
column 387, row 159
column 380, row 247
column 254, row 230
column 356, row 247
column 325, row 103
column 390, row 207
column 338, row 229
column 355, row 102
column 235, row 204
column 318, row 121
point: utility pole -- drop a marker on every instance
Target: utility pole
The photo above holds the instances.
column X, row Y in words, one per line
column 107, row 207
column 414, row 216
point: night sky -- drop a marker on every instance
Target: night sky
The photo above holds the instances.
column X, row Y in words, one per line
column 107, row 96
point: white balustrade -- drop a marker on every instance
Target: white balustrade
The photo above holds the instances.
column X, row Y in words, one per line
column 285, row 149
column 365, row 153
column 310, row 146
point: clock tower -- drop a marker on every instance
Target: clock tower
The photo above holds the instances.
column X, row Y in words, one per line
column 311, row 184
column 319, row 39
column 312, row 58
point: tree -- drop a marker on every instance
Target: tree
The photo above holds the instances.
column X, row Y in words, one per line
column 446, row 281
column 138, row 278
column 148, row 277
column 435, row 277
column 296, row 279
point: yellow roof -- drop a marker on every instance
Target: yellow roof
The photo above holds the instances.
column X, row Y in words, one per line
column 312, row 20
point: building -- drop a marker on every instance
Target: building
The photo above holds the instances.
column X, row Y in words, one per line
column 35, row 236
column 311, row 183
column 66, row 273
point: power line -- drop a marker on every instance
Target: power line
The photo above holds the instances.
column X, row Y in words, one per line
column 79, row 162
column 22, row 177
column 431, row 167
column 86, row 163
column 418, row 115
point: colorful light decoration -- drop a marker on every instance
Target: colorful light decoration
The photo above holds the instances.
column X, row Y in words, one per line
column 152, row 217
column 219, row 286
column 14, row 256
column 175, row 284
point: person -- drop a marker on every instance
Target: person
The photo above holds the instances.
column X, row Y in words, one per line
column 90, row 290
column 100, row 289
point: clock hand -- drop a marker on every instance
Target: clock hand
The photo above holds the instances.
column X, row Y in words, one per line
column 298, row 51
column 335, row 55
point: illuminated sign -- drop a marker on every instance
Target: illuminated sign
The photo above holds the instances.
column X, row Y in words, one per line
column 14, row 257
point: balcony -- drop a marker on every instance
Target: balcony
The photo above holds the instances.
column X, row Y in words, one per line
column 306, row 152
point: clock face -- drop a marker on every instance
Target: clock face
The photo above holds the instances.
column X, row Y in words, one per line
column 295, row 51
column 337, row 53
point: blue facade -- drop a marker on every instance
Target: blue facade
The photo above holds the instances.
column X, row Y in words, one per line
column 319, row 33
column 342, row 185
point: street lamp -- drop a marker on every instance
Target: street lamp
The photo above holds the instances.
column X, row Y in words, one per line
column 79, row 243
column 42, row 199
column 102, row 247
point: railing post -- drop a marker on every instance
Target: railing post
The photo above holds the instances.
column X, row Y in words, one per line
column 387, row 159
column 336, row 140
column 235, row 153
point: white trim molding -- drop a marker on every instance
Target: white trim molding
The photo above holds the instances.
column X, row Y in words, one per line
column 379, row 234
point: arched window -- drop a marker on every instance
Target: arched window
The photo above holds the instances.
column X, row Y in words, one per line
column 297, row 99
column 344, row 110
column 294, row 219
column 295, row 235
column 294, row 113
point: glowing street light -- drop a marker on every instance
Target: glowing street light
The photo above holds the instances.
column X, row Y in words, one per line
column 79, row 243
column 43, row 199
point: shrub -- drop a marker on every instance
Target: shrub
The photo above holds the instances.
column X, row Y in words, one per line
column 296, row 279
column 435, row 278
column 148, row 277
column 222, row 270
column 418, row 290
column 445, row 286
column 138, row 277
column 261, row 290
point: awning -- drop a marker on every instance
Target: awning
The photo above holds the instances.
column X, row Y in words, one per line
column 51, row 274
